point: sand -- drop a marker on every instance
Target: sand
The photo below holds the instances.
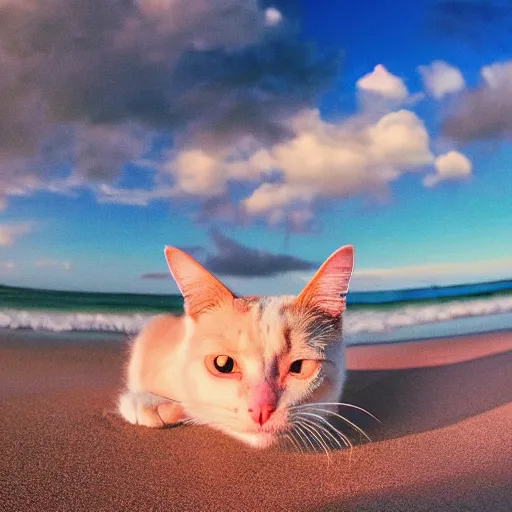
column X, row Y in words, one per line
column 446, row 442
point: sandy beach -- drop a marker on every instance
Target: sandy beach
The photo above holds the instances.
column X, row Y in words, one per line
column 445, row 443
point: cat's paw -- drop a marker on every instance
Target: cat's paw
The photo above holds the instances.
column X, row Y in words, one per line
column 146, row 409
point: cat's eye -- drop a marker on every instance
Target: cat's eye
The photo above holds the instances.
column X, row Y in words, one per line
column 296, row 366
column 222, row 366
column 304, row 368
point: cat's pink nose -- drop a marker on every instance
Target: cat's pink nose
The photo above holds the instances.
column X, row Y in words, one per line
column 262, row 413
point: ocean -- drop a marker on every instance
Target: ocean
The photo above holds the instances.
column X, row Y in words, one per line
column 372, row 317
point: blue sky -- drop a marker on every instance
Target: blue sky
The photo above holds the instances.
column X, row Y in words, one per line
column 258, row 136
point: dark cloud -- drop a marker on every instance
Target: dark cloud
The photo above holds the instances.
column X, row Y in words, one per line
column 114, row 74
column 252, row 92
column 220, row 210
column 236, row 260
column 211, row 69
column 156, row 275
column 484, row 113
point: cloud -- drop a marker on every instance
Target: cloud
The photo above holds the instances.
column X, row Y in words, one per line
column 9, row 233
column 107, row 76
column 329, row 160
column 275, row 198
column 450, row 166
column 273, row 16
column 220, row 209
column 59, row 264
column 101, row 151
column 383, row 83
column 233, row 259
column 497, row 75
column 441, row 79
column 156, row 275
column 198, row 173
column 131, row 196
column 484, row 112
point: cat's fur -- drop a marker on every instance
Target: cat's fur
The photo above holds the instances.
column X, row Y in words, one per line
column 173, row 370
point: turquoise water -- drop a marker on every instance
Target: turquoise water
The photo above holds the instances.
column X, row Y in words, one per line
column 371, row 317
column 11, row 297
column 27, row 298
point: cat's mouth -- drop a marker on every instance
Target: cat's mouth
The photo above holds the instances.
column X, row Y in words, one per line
column 261, row 439
column 263, row 436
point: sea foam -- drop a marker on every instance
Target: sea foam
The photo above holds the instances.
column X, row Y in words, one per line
column 62, row 322
column 369, row 319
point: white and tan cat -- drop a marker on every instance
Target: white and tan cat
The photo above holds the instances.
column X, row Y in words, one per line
column 241, row 365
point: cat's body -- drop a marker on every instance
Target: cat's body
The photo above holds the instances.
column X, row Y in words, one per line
column 241, row 365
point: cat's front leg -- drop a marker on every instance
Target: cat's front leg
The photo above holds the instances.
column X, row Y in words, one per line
column 149, row 410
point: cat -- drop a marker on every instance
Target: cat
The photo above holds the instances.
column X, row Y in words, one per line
column 246, row 366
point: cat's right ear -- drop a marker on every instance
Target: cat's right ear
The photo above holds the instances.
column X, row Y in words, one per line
column 201, row 290
column 327, row 291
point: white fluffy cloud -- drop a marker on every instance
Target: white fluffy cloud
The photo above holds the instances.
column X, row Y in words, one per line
column 441, row 79
column 383, row 83
column 450, row 166
column 497, row 75
column 273, row 16
column 338, row 160
column 9, row 233
column 273, row 200
column 198, row 173
column 358, row 156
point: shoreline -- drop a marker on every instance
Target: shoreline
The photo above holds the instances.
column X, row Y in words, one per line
column 453, row 328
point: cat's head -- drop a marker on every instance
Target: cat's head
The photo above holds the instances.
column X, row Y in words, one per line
column 252, row 360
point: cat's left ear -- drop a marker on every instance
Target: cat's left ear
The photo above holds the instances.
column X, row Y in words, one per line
column 201, row 290
column 327, row 291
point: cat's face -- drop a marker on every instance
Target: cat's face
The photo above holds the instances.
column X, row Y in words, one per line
column 251, row 361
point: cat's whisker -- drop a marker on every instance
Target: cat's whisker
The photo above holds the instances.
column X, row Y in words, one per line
column 300, row 440
column 353, row 425
column 344, row 404
column 301, row 448
column 346, row 440
column 326, row 430
column 312, row 428
column 291, row 434
column 305, row 429
column 284, row 437
column 304, row 437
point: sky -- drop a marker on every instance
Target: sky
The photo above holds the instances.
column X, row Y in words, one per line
column 259, row 137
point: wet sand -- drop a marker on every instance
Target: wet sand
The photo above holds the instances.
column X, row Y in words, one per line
column 445, row 443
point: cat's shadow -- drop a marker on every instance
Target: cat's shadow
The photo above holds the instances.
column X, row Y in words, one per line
column 420, row 399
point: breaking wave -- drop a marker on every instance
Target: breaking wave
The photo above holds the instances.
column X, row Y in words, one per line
column 369, row 320
column 407, row 316
column 63, row 322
